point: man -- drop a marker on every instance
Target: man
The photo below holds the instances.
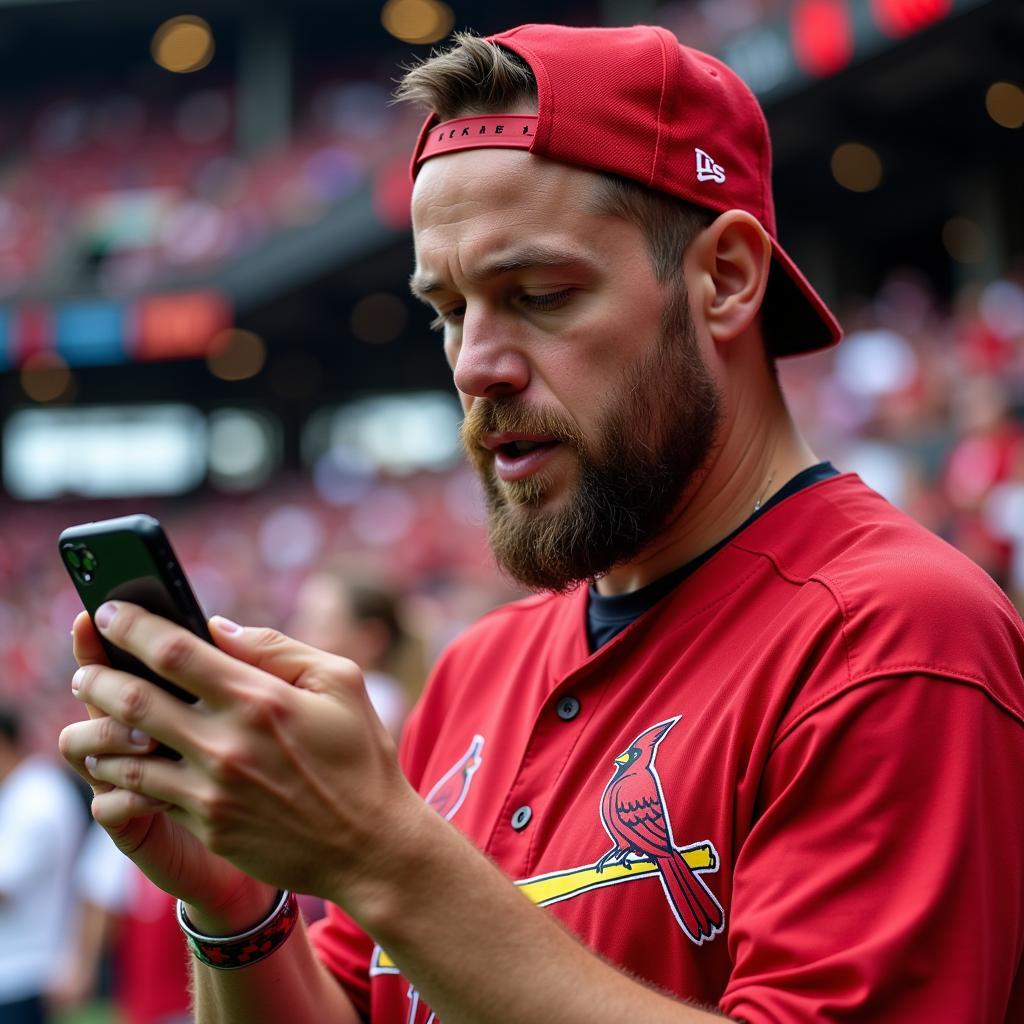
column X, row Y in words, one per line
column 763, row 763
column 41, row 824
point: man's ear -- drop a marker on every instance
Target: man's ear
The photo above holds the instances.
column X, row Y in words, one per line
column 727, row 268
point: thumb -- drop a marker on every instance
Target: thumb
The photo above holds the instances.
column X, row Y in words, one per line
column 279, row 655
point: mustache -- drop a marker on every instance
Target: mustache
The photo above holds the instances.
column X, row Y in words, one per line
column 487, row 416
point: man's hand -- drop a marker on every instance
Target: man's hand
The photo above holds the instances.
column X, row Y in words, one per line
column 286, row 776
column 139, row 825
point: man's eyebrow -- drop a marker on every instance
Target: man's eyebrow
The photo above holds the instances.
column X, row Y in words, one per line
column 523, row 258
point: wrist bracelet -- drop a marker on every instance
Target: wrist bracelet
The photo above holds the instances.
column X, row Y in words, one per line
column 230, row 952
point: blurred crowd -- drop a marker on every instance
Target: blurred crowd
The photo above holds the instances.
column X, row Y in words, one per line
column 417, row 542
column 386, row 581
column 123, row 183
column 118, row 190
column 925, row 400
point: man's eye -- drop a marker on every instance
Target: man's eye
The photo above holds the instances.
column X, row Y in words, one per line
column 446, row 317
column 549, row 300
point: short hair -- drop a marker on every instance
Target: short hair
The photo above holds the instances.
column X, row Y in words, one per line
column 475, row 76
column 372, row 602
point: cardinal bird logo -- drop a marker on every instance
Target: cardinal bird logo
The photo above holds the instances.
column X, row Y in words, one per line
column 450, row 790
column 634, row 815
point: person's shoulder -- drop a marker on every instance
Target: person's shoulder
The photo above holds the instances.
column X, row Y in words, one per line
column 848, row 536
column 877, row 559
column 908, row 601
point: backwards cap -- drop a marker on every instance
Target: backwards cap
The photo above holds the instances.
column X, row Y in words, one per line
column 634, row 102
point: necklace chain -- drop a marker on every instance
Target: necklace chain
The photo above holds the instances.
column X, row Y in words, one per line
column 764, row 493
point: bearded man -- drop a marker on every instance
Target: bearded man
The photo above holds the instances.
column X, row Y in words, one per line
column 752, row 749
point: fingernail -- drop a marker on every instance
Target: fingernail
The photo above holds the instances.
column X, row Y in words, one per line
column 105, row 614
column 76, row 680
column 226, row 625
column 91, row 762
column 139, row 738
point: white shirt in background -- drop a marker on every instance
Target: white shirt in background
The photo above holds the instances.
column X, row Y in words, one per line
column 41, row 823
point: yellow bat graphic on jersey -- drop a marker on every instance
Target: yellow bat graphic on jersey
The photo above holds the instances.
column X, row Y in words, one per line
column 563, row 885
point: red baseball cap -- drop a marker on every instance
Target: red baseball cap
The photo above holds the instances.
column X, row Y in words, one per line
column 635, row 102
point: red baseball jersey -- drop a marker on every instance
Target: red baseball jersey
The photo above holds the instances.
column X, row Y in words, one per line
column 791, row 789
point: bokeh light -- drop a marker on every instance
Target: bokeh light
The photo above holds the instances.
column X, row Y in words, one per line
column 964, row 240
column 417, row 21
column 45, row 377
column 236, row 354
column 857, row 167
column 901, row 18
column 822, row 33
column 183, row 44
column 244, row 449
column 1004, row 102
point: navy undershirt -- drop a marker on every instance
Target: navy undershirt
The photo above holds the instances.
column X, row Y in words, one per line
column 607, row 616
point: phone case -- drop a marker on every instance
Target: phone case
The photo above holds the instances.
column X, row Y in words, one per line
column 131, row 559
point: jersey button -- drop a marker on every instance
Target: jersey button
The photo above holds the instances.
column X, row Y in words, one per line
column 568, row 708
column 521, row 818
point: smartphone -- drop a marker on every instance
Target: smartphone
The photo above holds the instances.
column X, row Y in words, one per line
column 131, row 559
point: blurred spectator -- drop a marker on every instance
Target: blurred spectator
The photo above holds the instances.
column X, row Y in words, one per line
column 358, row 620
column 125, row 915
column 987, row 453
column 928, row 406
column 924, row 398
column 41, row 823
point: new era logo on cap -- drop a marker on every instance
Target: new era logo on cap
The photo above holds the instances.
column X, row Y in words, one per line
column 707, row 169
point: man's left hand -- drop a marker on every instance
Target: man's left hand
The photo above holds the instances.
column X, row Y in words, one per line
column 286, row 770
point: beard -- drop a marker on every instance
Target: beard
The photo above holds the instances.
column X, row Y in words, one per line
column 652, row 446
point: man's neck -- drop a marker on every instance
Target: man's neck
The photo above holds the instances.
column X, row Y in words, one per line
column 753, row 460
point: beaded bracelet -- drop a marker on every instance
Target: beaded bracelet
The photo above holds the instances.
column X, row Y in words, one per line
column 230, row 952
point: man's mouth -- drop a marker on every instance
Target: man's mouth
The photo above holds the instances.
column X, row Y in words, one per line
column 517, row 456
column 513, row 449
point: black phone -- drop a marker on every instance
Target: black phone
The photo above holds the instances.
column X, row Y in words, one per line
column 131, row 559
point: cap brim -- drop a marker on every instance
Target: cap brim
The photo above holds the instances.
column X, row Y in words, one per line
column 794, row 316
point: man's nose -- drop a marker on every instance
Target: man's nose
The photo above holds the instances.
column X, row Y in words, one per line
column 490, row 361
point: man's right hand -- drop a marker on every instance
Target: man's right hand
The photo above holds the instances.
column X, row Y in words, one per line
column 221, row 898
